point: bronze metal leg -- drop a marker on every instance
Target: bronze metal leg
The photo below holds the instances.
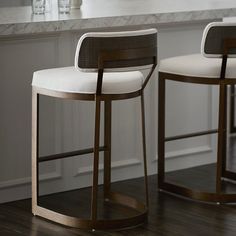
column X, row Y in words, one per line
column 144, row 148
column 232, row 110
column 227, row 173
column 35, row 164
column 96, row 161
column 224, row 149
column 161, row 131
column 221, row 136
column 107, row 144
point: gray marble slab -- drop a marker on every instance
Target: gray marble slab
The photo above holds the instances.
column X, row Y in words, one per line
column 113, row 13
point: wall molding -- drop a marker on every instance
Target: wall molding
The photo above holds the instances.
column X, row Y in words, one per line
column 114, row 165
column 57, row 174
column 187, row 152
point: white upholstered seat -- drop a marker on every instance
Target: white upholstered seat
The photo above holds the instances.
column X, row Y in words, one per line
column 196, row 65
column 71, row 80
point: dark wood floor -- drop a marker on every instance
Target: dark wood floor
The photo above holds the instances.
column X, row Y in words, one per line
column 169, row 215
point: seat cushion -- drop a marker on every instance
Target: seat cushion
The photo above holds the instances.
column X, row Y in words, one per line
column 71, row 80
column 198, row 66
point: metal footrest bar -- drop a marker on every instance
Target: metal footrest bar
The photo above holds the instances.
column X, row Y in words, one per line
column 191, row 135
column 100, row 224
column 69, row 154
column 197, row 195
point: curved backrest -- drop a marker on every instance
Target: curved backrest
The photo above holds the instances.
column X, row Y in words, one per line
column 213, row 38
column 129, row 43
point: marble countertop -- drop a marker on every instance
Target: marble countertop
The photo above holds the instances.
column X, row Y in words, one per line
column 113, row 13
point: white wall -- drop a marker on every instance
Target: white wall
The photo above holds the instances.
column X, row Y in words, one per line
column 68, row 125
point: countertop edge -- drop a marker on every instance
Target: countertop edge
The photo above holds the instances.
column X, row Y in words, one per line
column 14, row 29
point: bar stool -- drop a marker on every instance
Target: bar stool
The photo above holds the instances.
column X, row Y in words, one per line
column 211, row 67
column 106, row 68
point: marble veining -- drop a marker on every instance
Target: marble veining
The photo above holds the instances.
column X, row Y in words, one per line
column 113, row 13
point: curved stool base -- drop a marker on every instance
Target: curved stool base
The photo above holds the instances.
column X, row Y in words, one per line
column 100, row 224
column 197, row 195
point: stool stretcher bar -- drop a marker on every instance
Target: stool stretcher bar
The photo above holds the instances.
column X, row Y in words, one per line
column 191, row 135
column 69, row 154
